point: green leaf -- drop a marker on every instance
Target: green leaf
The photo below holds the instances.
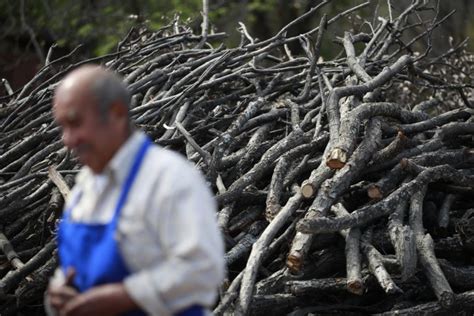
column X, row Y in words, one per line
column 85, row 30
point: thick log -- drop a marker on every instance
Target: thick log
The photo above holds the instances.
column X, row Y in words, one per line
column 319, row 286
column 391, row 150
column 302, row 242
column 10, row 253
column 374, row 258
column 425, row 249
column 353, row 257
column 252, row 147
column 244, row 245
column 443, row 215
column 403, row 241
column 245, row 219
column 256, row 256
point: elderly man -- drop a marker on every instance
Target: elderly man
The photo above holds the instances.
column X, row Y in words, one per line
column 138, row 234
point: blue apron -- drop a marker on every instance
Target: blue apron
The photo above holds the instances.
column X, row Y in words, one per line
column 91, row 249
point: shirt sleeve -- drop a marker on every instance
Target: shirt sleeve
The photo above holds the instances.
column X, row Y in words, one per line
column 57, row 279
column 183, row 215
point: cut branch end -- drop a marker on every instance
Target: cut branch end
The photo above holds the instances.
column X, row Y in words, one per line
column 308, row 190
column 374, row 192
column 336, row 159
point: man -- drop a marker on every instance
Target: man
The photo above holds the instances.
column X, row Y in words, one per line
column 138, row 234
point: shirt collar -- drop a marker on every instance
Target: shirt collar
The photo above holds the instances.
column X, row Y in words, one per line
column 119, row 166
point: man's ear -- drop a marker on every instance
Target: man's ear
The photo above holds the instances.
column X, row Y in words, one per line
column 118, row 110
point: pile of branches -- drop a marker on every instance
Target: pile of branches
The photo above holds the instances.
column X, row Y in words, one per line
column 344, row 184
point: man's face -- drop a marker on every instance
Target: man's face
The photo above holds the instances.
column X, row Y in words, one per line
column 85, row 132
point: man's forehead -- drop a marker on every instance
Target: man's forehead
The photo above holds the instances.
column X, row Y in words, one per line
column 71, row 104
column 71, row 94
column 71, row 85
column 66, row 111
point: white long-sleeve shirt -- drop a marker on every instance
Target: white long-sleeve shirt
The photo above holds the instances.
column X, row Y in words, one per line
column 167, row 232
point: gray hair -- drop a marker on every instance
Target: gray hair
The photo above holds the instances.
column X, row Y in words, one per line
column 108, row 88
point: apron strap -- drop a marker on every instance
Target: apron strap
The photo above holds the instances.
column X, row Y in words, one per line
column 131, row 177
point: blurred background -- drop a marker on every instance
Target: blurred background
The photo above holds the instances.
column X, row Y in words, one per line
column 28, row 28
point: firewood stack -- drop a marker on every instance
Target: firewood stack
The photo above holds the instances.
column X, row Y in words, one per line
column 345, row 186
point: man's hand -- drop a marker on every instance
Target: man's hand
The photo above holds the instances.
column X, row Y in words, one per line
column 59, row 294
column 108, row 299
